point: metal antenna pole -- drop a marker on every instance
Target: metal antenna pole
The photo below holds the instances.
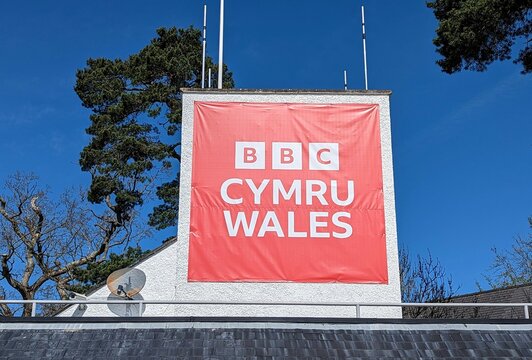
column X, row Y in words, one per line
column 345, row 79
column 364, row 45
column 210, row 78
column 204, row 44
column 221, row 46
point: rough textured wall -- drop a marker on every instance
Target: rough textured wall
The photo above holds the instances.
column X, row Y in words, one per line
column 288, row 292
column 160, row 270
column 166, row 270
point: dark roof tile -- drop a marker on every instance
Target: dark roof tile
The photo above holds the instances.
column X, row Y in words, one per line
column 263, row 343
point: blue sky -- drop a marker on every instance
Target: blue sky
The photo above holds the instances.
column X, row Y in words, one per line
column 462, row 143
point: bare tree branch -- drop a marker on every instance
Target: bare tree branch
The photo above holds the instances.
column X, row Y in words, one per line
column 44, row 242
column 422, row 281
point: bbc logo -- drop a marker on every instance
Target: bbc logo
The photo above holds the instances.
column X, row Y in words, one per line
column 286, row 155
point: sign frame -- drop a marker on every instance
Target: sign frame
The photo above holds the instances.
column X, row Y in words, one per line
column 276, row 292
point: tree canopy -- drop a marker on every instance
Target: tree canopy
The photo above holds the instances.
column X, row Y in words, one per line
column 512, row 266
column 136, row 119
column 423, row 280
column 43, row 242
column 49, row 247
column 474, row 33
column 96, row 273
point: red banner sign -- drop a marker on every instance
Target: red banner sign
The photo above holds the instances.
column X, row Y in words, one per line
column 287, row 192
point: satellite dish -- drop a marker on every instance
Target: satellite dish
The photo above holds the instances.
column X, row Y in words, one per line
column 125, row 310
column 126, row 282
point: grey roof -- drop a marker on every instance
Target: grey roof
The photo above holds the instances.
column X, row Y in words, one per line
column 152, row 340
column 512, row 294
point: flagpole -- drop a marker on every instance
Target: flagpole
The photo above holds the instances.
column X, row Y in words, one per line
column 204, row 44
column 364, row 45
column 345, row 79
column 221, row 46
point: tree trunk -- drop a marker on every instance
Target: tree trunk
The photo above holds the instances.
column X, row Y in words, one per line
column 27, row 310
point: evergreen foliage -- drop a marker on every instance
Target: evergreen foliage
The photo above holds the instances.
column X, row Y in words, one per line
column 96, row 273
column 474, row 33
column 136, row 120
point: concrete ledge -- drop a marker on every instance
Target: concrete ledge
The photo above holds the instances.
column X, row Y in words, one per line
column 235, row 319
column 286, row 91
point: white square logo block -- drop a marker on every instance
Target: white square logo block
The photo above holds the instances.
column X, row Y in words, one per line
column 250, row 155
column 323, row 156
column 287, row 156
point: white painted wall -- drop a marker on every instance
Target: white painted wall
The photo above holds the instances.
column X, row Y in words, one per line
column 166, row 271
column 288, row 292
column 161, row 274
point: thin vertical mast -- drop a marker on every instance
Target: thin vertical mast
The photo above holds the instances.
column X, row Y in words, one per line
column 345, row 79
column 221, row 47
column 364, row 45
column 210, row 78
column 204, row 44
